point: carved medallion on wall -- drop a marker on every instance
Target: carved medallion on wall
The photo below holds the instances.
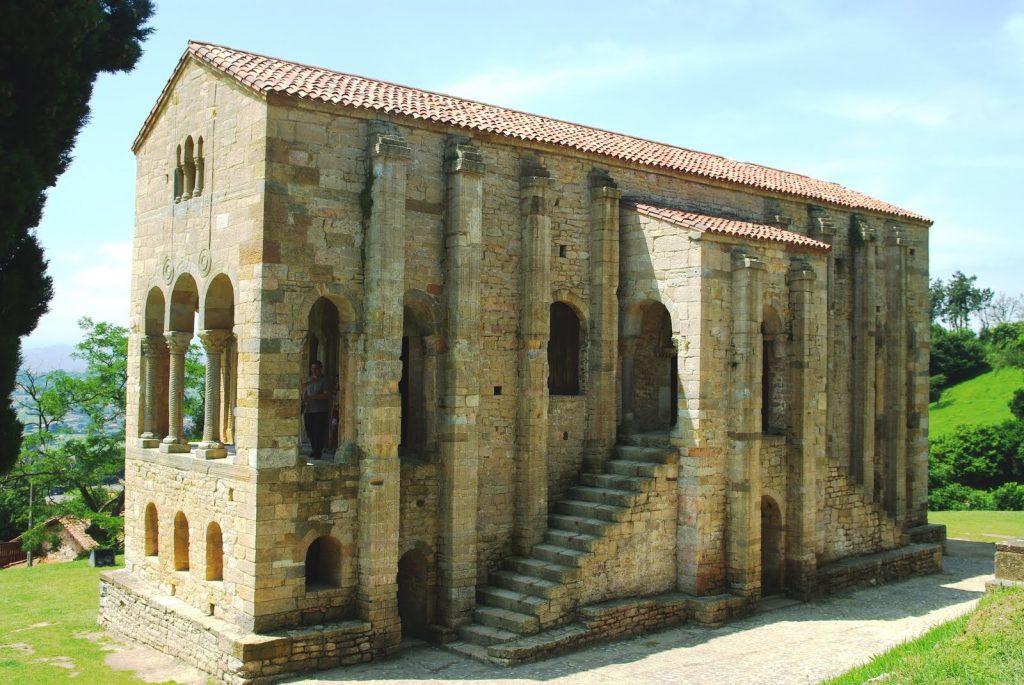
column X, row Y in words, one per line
column 168, row 271
column 205, row 262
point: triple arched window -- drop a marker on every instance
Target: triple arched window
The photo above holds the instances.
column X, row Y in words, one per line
column 189, row 169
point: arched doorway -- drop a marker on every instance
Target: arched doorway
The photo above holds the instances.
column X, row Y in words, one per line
column 771, row 547
column 327, row 344
column 414, row 593
column 655, row 371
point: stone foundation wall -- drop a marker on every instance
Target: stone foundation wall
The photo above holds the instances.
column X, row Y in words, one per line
column 853, row 525
column 883, row 567
column 566, row 424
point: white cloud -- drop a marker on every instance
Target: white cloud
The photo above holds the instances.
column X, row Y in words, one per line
column 1013, row 30
column 90, row 282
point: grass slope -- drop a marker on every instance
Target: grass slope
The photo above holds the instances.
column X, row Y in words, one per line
column 980, row 526
column 985, row 647
column 982, row 400
column 48, row 630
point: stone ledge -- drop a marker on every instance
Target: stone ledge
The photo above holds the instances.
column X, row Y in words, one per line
column 881, row 567
column 1009, row 561
column 929, row 532
column 138, row 612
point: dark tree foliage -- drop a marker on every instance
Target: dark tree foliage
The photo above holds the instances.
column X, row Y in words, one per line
column 963, row 300
column 956, row 355
column 50, row 54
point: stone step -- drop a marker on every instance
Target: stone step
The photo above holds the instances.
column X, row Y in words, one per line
column 626, row 467
column 547, row 570
column 504, row 619
column 571, row 539
column 618, row 498
column 558, row 554
column 579, row 524
column 470, row 649
column 526, row 584
column 654, row 455
column 503, row 598
column 594, row 510
column 613, row 481
column 478, row 634
column 654, row 439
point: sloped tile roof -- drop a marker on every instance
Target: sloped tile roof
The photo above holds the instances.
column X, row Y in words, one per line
column 730, row 227
column 269, row 75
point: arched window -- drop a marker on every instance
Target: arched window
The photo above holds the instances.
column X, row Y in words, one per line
column 179, row 176
column 200, row 164
column 189, row 164
column 152, row 531
column 180, row 542
column 563, row 351
column 773, row 380
column 323, row 564
column 214, row 552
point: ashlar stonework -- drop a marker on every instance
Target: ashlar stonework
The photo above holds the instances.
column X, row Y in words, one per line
column 585, row 385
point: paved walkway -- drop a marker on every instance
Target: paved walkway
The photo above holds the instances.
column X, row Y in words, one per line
column 792, row 643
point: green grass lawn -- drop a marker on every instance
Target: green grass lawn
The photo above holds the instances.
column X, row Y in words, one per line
column 985, row 647
column 980, row 526
column 48, row 630
column 982, row 400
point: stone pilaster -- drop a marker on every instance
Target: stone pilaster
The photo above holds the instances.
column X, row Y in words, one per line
column 177, row 345
column 214, row 342
column 743, row 491
column 862, row 401
column 380, row 404
column 535, row 311
column 805, row 420
column 154, row 347
column 895, row 415
column 459, row 437
column 604, row 321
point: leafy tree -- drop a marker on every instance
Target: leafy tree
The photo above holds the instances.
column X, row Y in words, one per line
column 937, row 299
column 980, row 457
column 963, row 300
column 957, row 356
column 1017, row 404
column 195, row 391
column 50, row 54
column 1006, row 345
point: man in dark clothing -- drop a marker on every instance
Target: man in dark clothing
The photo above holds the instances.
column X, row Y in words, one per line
column 316, row 406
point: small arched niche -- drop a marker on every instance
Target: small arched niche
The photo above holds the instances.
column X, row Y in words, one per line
column 323, row 564
column 772, row 550
column 654, row 377
column 214, row 552
column 414, row 606
column 181, row 542
column 152, row 537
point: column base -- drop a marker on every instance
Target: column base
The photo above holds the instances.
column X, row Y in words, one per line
column 149, row 443
column 175, row 447
column 211, row 450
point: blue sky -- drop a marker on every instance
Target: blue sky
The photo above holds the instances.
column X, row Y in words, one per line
column 916, row 103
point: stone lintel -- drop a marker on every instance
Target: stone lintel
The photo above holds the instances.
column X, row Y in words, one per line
column 174, row 447
column 861, row 229
column 386, row 140
column 744, row 260
column 821, row 221
column 462, row 156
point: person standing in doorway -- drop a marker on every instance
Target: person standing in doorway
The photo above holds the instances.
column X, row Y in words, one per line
column 316, row 405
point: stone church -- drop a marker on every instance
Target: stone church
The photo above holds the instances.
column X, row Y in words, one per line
column 582, row 384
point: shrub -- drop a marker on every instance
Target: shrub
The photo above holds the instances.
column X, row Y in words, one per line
column 936, row 384
column 957, row 497
column 1017, row 404
column 1008, row 497
column 958, row 355
column 980, row 457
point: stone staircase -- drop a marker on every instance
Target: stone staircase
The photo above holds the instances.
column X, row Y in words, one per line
column 541, row 591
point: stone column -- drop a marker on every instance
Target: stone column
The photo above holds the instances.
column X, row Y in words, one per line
column 862, row 402
column 214, row 342
column 743, row 490
column 177, row 345
column 228, row 383
column 459, row 434
column 896, row 374
column 532, row 407
column 153, row 348
column 804, row 444
column 604, row 321
column 380, row 409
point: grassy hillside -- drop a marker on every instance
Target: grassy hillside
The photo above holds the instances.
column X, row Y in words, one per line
column 981, row 400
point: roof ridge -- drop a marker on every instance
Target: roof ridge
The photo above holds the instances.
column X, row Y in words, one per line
column 342, row 89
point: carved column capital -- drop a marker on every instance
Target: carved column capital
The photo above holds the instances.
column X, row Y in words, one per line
column 463, row 157
column 821, row 221
column 800, row 271
column 215, row 340
column 862, row 230
column 178, row 341
column 745, row 260
column 154, row 346
column 387, row 141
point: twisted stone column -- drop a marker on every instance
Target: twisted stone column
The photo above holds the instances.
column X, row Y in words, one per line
column 214, row 342
column 177, row 344
column 153, row 348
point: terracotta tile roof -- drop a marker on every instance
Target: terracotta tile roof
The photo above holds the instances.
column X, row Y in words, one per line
column 730, row 227
column 76, row 529
column 269, row 75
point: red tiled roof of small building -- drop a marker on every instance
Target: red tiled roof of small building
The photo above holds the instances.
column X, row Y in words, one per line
column 264, row 74
column 730, row 227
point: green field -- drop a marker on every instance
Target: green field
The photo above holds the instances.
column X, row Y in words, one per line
column 980, row 526
column 985, row 647
column 982, row 400
column 48, row 630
